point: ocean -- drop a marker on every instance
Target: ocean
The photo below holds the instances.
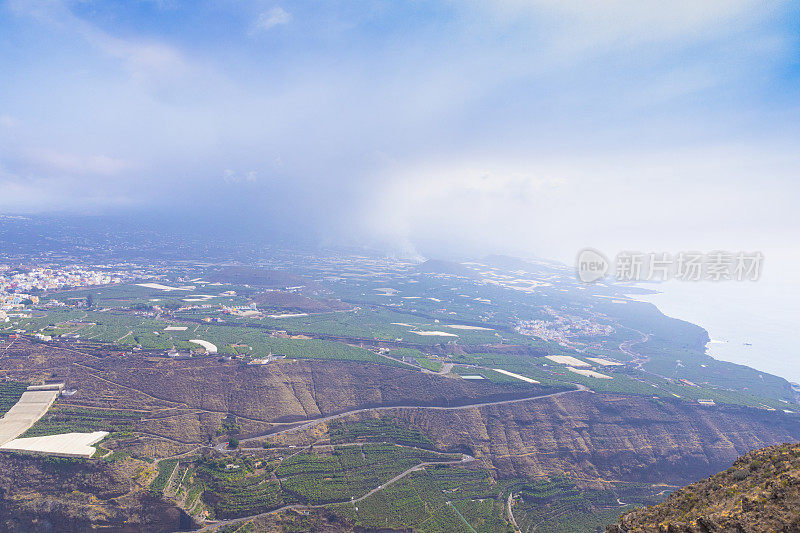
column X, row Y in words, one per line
column 754, row 323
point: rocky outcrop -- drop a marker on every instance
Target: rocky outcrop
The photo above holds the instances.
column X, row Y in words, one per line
column 759, row 493
column 45, row 494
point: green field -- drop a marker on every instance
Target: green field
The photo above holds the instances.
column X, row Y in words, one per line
column 10, row 392
column 165, row 469
column 437, row 499
column 378, row 430
column 127, row 330
column 67, row 418
column 242, row 486
column 349, row 472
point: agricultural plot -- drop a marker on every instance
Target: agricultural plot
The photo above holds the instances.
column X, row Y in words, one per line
column 376, row 323
column 64, row 444
column 556, row 504
column 224, row 337
column 413, row 356
column 439, row 298
column 430, row 364
column 10, row 393
column 521, row 366
column 129, row 330
column 105, row 327
column 30, row 407
column 378, row 430
column 483, row 514
column 350, row 471
column 589, row 373
column 134, row 295
column 491, row 375
column 40, row 321
column 435, row 500
column 516, row 376
column 165, row 469
column 625, row 380
column 64, row 418
column 567, row 360
column 237, row 487
column 246, row 495
column 240, row 487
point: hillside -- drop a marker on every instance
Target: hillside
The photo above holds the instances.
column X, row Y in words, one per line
column 596, row 437
column 59, row 494
column 759, row 493
column 292, row 302
column 562, row 457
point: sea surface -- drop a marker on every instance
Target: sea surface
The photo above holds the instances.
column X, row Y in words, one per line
column 754, row 323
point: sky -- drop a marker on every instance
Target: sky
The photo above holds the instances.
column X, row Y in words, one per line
column 532, row 127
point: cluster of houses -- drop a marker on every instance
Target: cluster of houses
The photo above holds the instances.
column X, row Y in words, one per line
column 18, row 281
column 11, row 302
column 268, row 359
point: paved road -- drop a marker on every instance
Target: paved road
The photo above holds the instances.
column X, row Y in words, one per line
column 626, row 347
column 511, row 512
column 465, row 458
column 304, row 425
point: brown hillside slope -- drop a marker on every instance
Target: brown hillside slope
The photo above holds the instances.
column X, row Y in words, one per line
column 759, row 493
column 606, row 436
column 298, row 390
column 45, row 495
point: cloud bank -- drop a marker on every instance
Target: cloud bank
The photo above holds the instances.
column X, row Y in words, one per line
column 533, row 127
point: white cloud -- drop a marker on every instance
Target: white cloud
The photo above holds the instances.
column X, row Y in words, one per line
column 550, row 84
column 33, row 195
column 572, row 32
column 552, row 206
column 163, row 4
column 267, row 20
column 75, row 164
column 635, row 21
column 147, row 61
column 231, row 176
column 7, row 121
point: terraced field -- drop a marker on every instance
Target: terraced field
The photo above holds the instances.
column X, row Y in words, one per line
column 65, row 418
column 435, row 500
column 10, row 392
column 251, row 485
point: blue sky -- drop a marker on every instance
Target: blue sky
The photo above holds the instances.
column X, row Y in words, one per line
column 532, row 127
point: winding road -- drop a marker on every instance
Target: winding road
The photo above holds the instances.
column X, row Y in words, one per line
column 465, row 458
column 625, row 347
column 509, row 504
column 299, row 426
column 310, row 423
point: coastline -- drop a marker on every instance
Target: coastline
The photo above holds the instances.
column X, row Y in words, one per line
column 751, row 324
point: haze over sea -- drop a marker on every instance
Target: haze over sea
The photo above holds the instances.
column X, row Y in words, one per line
column 750, row 323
